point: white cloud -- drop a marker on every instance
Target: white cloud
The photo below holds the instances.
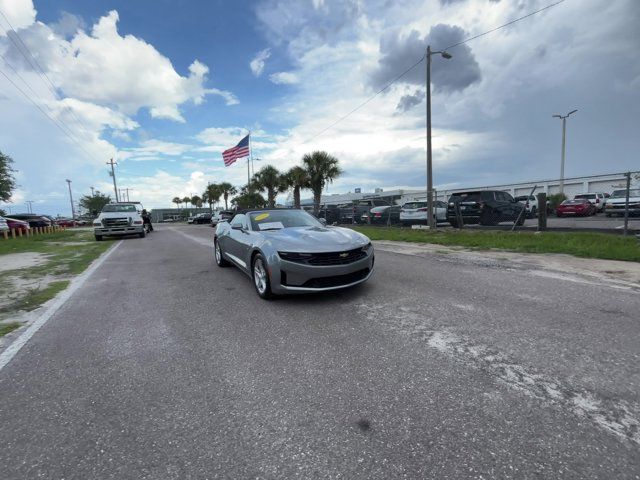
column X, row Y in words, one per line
column 123, row 71
column 283, row 78
column 257, row 64
column 19, row 13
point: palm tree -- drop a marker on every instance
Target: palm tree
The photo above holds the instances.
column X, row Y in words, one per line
column 211, row 195
column 226, row 189
column 269, row 178
column 196, row 201
column 297, row 178
column 177, row 201
column 321, row 168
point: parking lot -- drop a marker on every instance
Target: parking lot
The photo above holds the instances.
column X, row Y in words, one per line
column 443, row 365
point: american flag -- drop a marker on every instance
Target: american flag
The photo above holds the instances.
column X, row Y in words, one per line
column 240, row 150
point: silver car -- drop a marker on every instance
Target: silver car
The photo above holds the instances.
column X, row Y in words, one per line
column 290, row 251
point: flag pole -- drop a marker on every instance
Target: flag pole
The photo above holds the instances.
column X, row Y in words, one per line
column 248, row 162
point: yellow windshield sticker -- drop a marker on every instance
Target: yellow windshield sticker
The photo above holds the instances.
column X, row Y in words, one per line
column 262, row 216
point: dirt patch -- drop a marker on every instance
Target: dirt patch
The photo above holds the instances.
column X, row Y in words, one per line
column 16, row 261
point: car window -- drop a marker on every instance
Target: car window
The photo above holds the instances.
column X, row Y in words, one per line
column 119, row 208
column 278, row 219
column 239, row 219
column 586, row 195
column 415, row 205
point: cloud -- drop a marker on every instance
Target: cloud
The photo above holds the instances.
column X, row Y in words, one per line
column 283, row 78
column 68, row 25
column 409, row 101
column 131, row 75
column 153, row 147
column 19, row 13
column 398, row 51
column 257, row 64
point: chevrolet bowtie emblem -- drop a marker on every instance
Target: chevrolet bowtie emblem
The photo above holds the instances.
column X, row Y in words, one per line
column 345, row 254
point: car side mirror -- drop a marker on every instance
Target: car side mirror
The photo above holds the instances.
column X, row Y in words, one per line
column 323, row 221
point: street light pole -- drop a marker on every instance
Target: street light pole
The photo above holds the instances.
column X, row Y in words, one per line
column 564, row 143
column 73, row 212
column 431, row 220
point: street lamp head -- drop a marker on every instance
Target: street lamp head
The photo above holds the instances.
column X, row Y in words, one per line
column 445, row 55
column 572, row 111
column 557, row 116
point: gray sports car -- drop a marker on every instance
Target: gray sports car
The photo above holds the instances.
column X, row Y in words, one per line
column 290, row 251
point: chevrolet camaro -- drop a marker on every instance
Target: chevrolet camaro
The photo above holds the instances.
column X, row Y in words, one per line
column 290, row 251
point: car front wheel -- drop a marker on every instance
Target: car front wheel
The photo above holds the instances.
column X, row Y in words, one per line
column 261, row 277
column 220, row 261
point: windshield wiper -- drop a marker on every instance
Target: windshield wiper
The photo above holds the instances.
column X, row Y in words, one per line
column 270, row 228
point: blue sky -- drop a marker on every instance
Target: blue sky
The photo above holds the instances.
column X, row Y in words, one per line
column 163, row 86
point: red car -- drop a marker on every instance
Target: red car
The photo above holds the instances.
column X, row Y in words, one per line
column 18, row 224
column 575, row 207
column 66, row 222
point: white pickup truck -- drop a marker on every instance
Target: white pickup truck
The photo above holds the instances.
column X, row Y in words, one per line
column 616, row 202
column 118, row 219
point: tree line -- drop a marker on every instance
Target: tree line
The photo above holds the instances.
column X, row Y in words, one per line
column 317, row 170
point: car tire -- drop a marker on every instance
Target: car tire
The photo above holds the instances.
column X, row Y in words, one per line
column 98, row 238
column 142, row 234
column 220, row 261
column 520, row 221
column 453, row 223
column 558, row 215
column 259, row 273
column 608, row 215
column 534, row 212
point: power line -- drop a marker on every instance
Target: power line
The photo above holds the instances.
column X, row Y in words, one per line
column 420, row 61
column 43, row 112
column 31, row 59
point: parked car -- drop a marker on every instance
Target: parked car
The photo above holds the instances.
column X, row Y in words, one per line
column 17, row 225
column 599, row 200
column 352, row 213
column 486, row 207
column 66, row 222
column 202, row 218
column 576, row 207
column 290, row 251
column 4, row 227
column 221, row 215
column 331, row 213
column 414, row 213
column 531, row 204
column 33, row 219
column 616, row 203
column 382, row 215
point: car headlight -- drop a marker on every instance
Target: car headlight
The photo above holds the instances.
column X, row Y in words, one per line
column 365, row 248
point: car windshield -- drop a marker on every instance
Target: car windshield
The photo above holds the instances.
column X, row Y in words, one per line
column 586, row 195
column 277, row 219
column 415, row 205
column 574, row 202
column 466, row 197
column 633, row 192
column 119, row 208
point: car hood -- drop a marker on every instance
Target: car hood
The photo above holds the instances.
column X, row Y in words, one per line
column 315, row 239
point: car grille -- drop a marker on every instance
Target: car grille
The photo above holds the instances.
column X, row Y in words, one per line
column 326, row 258
column 115, row 222
column 336, row 280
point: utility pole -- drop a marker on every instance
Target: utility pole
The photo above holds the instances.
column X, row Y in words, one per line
column 564, row 137
column 29, row 203
column 626, row 204
column 92, row 191
column 431, row 220
column 113, row 175
column 126, row 195
column 73, row 211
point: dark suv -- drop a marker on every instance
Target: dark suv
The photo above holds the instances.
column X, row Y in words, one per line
column 486, row 207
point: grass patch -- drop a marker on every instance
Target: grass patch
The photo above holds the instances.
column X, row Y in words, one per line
column 580, row 244
column 67, row 254
column 8, row 328
column 36, row 297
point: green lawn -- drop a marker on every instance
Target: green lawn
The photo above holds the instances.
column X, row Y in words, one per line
column 580, row 244
column 64, row 255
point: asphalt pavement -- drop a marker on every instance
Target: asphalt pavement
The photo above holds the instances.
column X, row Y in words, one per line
column 164, row 366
